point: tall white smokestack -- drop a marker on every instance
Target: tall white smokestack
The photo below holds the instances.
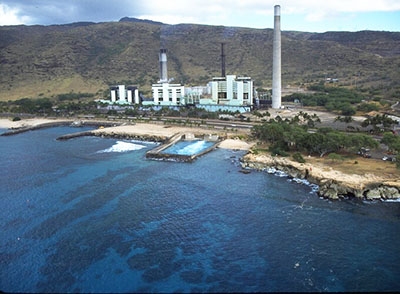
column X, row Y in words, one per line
column 163, row 66
column 276, row 59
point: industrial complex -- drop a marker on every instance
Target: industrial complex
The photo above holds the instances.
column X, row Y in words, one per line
column 228, row 92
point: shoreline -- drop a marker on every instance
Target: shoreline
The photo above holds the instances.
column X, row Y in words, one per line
column 158, row 132
column 333, row 184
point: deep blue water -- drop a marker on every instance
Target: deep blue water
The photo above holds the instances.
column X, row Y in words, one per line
column 82, row 216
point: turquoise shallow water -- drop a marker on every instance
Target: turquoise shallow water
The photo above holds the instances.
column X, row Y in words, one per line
column 94, row 215
column 190, row 147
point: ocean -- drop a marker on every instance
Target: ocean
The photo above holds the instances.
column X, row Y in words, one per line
column 94, row 215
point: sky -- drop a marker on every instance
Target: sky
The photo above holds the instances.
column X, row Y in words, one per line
column 296, row 15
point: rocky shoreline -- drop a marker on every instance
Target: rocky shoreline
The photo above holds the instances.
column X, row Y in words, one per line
column 332, row 184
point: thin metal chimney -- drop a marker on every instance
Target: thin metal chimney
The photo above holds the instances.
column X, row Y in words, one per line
column 276, row 60
column 163, row 66
column 222, row 60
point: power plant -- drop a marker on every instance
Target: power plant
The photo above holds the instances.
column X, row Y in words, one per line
column 276, row 60
column 227, row 91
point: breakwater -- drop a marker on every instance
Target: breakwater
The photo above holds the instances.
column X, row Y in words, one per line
column 35, row 127
column 130, row 136
column 58, row 123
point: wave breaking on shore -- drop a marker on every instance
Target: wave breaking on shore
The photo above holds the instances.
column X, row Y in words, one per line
column 121, row 146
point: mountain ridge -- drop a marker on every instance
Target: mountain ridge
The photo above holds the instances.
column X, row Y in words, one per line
column 86, row 57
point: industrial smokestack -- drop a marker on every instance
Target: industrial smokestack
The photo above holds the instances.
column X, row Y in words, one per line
column 222, row 60
column 276, row 60
column 163, row 66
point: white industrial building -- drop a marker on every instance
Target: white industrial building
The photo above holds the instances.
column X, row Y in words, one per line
column 167, row 94
column 230, row 91
column 194, row 94
column 123, row 95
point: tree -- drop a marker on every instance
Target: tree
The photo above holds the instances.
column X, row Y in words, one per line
column 392, row 141
column 269, row 131
column 355, row 141
column 313, row 143
column 367, row 107
column 347, row 109
column 298, row 157
column 44, row 105
column 25, row 105
column 286, row 135
column 379, row 121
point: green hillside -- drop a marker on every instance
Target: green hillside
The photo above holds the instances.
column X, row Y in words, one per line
column 43, row 61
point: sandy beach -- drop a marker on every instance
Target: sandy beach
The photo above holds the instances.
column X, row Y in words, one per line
column 168, row 131
column 9, row 124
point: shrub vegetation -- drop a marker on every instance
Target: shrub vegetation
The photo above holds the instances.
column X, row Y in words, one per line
column 286, row 136
column 333, row 99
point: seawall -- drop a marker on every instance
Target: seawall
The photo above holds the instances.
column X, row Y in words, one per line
column 157, row 153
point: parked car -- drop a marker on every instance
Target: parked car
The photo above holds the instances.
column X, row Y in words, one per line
column 364, row 152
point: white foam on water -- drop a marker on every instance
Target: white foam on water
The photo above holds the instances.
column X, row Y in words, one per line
column 314, row 187
column 301, row 181
column 391, row 200
column 121, row 146
column 280, row 174
column 192, row 148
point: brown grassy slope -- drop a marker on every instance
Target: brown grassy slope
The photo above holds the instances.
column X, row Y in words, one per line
column 48, row 60
column 360, row 166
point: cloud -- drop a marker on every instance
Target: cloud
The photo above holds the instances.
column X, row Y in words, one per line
column 48, row 12
column 222, row 12
column 249, row 13
column 10, row 16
